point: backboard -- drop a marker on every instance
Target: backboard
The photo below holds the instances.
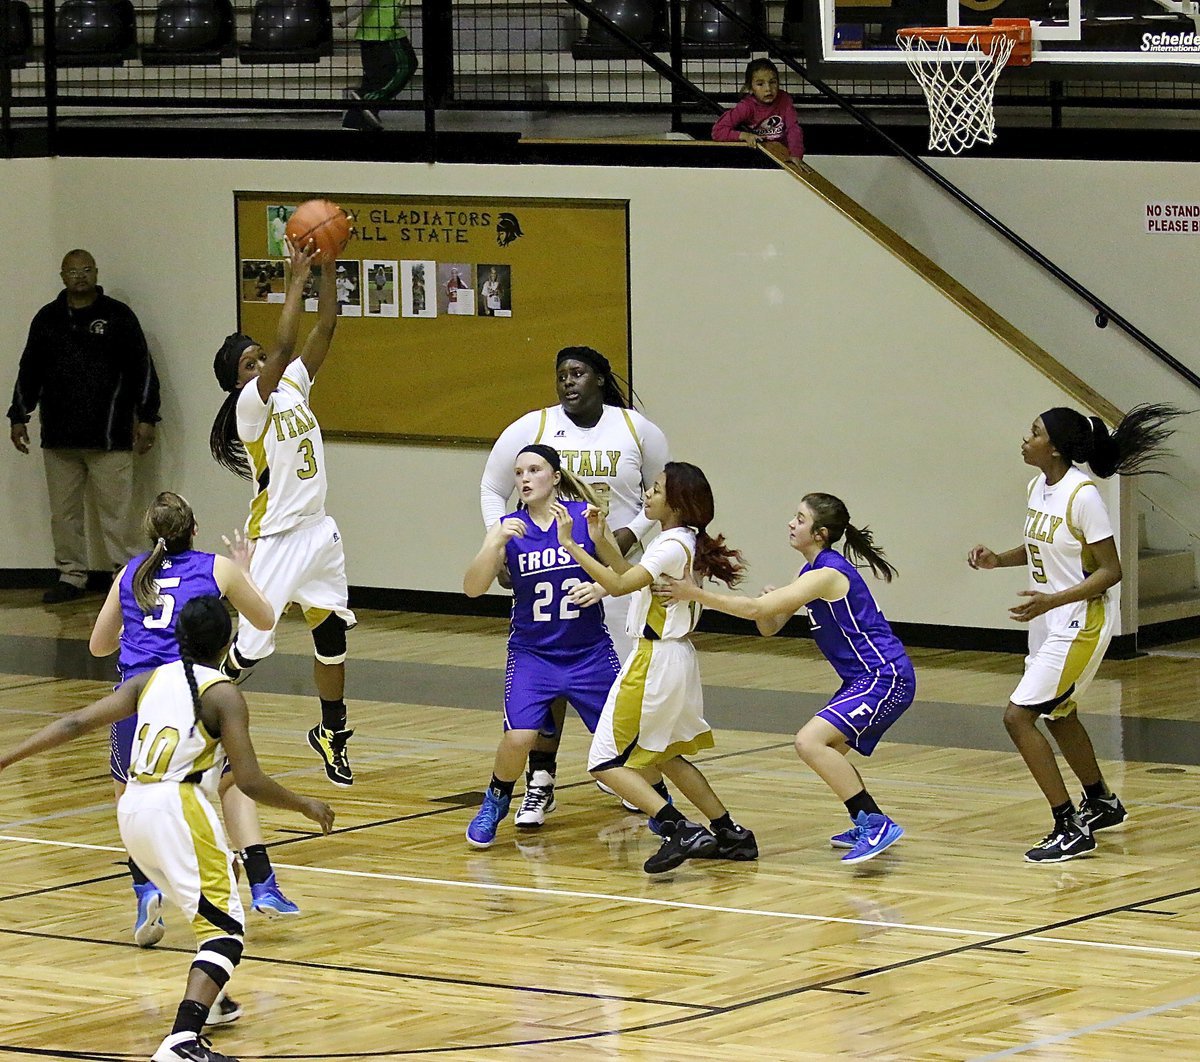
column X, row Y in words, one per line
column 1119, row 39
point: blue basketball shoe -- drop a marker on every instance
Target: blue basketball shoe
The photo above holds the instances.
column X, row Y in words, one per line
column 482, row 831
column 267, row 899
column 148, row 928
column 845, row 839
column 876, row 832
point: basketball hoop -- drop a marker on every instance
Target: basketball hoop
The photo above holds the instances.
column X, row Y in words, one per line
column 957, row 68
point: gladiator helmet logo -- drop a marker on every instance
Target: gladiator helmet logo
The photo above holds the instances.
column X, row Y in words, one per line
column 508, row 228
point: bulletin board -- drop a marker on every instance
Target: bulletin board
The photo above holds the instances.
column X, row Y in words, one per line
column 451, row 309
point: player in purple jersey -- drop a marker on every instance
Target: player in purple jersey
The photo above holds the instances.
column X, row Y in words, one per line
column 878, row 682
column 138, row 618
column 558, row 645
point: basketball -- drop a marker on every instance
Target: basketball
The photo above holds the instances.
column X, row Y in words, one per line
column 323, row 223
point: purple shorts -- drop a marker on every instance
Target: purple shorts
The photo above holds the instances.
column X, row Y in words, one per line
column 866, row 706
column 533, row 681
column 120, row 747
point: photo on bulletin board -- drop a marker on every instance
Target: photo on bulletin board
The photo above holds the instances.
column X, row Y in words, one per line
column 456, row 292
column 417, row 298
column 349, row 290
column 381, row 290
column 451, row 308
column 495, row 290
column 263, row 280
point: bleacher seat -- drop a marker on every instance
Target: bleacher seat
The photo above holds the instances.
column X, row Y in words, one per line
column 709, row 34
column 18, row 44
column 289, row 31
column 644, row 20
column 191, row 32
column 95, row 33
column 792, row 32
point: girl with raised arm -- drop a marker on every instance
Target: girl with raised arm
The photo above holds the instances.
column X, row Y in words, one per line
column 266, row 432
column 189, row 719
column 654, row 714
column 558, row 646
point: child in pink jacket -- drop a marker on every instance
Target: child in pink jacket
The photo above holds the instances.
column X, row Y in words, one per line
column 765, row 113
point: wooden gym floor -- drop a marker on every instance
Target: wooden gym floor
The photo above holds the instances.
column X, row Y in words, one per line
column 554, row 945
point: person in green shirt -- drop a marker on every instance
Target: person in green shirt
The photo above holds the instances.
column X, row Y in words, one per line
column 388, row 59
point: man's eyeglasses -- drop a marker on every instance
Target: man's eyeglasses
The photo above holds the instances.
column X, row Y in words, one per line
column 79, row 272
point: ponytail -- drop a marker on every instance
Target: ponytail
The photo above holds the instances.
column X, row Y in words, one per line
column 829, row 514
column 223, row 442
column 170, row 524
column 572, row 488
column 860, row 547
column 715, row 560
column 1126, row 451
column 144, row 591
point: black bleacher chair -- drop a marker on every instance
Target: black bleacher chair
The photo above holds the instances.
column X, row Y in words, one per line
column 707, row 34
column 792, row 32
column 95, row 33
column 17, row 42
column 644, row 20
column 191, row 33
column 289, row 31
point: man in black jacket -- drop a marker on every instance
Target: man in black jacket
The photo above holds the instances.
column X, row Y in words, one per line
column 87, row 366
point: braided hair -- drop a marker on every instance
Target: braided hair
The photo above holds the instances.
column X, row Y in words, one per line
column 829, row 514
column 202, row 630
column 171, row 526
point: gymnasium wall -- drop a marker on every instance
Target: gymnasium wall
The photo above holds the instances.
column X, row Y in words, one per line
column 777, row 345
column 1090, row 219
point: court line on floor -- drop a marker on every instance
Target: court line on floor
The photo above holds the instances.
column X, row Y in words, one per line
column 649, row 901
column 1083, row 1030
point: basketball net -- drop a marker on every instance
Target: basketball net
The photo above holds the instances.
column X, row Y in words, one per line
column 959, row 87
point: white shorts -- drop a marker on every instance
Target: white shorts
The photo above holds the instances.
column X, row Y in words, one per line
column 171, row 831
column 1066, row 646
column 307, row 566
column 655, row 709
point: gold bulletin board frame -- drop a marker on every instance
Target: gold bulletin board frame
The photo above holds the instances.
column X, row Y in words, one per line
column 408, row 366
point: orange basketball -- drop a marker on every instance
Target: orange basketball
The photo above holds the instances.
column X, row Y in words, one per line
column 323, row 223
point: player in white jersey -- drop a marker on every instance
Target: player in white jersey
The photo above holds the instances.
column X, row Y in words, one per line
column 654, row 714
column 266, row 432
column 189, row 717
column 1070, row 605
column 604, row 443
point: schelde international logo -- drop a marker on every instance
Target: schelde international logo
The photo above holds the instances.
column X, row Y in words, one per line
column 1171, row 42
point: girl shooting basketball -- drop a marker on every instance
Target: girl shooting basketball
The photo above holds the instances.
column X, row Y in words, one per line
column 266, row 432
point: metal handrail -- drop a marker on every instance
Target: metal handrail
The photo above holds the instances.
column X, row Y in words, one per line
column 1103, row 312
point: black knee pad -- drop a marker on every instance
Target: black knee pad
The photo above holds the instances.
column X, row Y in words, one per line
column 218, row 958
column 237, row 667
column 329, row 639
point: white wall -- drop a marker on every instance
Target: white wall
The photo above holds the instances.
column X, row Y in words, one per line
column 778, row 346
column 1089, row 218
